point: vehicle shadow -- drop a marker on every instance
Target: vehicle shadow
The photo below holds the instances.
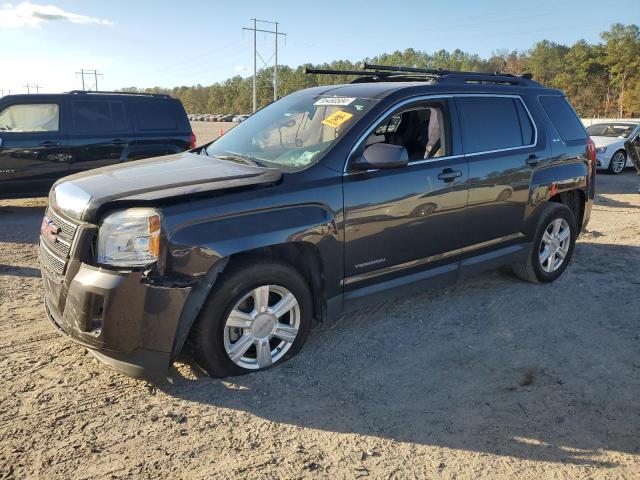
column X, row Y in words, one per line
column 492, row 365
column 16, row 271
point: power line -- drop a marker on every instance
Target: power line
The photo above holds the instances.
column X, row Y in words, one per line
column 29, row 86
column 2, row 92
column 256, row 54
column 89, row 73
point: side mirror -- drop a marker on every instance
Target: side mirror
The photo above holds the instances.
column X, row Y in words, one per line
column 382, row 155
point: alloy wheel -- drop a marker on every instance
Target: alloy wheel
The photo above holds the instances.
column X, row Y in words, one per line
column 261, row 327
column 554, row 245
column 618, row 161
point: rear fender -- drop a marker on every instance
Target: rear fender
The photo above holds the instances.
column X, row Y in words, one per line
column 547, row 183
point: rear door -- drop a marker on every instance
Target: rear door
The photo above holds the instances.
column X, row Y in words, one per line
column 101, row 133
column 632, row 145
column 33, row 146
column 502, row 146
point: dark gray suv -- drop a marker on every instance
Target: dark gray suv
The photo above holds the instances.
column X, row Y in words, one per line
column 325, row 200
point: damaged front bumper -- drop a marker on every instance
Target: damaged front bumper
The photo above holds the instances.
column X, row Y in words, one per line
column 123, row 320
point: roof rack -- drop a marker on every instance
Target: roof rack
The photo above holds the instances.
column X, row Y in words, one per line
column 105, row 92
column 384, row 73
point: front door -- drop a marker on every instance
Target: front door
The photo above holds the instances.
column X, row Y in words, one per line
column 33, row 148
column 406, row 219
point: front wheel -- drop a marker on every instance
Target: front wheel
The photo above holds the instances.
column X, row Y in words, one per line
column 257, row 316
column 553, row 245
column 617, row 163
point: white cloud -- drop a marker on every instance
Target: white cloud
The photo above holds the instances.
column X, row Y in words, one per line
column 27, row 14
column 243, row 69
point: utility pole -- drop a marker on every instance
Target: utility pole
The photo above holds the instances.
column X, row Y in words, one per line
column 89, row 73
column 2, row 92
column 256, row 54
column 29, row 86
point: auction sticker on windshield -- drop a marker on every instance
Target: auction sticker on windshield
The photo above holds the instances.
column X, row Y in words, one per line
column 334, row 101
column 337, row 118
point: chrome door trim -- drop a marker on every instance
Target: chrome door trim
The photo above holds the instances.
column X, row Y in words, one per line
column 420, row 98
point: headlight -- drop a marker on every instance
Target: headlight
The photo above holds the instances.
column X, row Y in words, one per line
column 129, row 238
column 601, row 149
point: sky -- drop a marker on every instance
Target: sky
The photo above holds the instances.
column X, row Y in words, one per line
column 167, row 43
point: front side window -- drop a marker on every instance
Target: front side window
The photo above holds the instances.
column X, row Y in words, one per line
column 421, row 129
column 293, row 132
column 30, row 117
column 98, row 116
column 494, row 123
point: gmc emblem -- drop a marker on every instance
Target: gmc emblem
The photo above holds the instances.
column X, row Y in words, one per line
column 49, row 230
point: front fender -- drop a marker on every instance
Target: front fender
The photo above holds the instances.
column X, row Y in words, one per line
column 202, row 249
column 196, row 247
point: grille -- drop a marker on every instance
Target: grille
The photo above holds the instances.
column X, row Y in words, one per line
column 55, row 248
column 50, row 261
column 67, row 229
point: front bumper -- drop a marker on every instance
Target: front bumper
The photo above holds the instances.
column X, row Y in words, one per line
column 124, row 321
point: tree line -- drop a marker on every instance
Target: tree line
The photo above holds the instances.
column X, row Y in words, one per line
column 600, row 79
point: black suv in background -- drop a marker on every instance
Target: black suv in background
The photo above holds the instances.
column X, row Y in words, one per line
column 321, row 202
column 47, row 136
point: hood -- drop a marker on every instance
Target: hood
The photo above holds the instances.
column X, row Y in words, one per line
column 80, row 195
column 608, row 141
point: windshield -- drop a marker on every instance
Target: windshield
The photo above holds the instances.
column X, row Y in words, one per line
column 611, row 130
column 291, row 133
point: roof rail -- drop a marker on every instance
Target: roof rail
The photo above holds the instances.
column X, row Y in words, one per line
column 387, row 73
column 453, row 76
column 105, row 92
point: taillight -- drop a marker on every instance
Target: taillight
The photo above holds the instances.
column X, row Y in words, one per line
column 591, row 149
column 193, row 141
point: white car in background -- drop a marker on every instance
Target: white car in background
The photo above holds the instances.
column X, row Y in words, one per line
column 609, row 138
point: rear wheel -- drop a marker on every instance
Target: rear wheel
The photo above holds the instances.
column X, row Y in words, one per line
column 257, row 316
column 617, row 162
column 553, row 245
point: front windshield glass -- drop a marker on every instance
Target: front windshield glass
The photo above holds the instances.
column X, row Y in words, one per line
column 611, row 130
column 291, row 133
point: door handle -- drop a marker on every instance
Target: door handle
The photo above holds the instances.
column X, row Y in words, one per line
column 449, row 175
column 532, row 160
column 49, row 143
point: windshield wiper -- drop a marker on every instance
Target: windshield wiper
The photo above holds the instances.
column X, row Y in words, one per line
column 234, row 157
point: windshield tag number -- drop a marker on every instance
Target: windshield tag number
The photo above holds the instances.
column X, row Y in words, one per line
column 334, row 101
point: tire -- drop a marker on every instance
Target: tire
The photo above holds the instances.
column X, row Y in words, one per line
column 617, row 163
column 241, row 289
column 534, row 269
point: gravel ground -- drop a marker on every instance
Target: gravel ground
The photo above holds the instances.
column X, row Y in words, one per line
column 492, row 378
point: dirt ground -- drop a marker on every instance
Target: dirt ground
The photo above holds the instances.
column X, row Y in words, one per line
column 493, row 378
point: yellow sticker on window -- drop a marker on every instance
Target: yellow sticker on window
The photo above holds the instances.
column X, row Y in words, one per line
column 338, row 118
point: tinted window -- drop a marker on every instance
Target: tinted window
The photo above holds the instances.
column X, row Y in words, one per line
column 563, row 118
column 154, row 116
column 98, row 116
column 31, row 117
column 490, row 123
column 526, row 128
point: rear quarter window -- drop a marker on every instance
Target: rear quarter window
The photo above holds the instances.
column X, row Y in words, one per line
column 154, row 116
column 563, row 117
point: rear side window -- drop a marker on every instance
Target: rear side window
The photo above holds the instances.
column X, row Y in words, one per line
column 30, row 117
column 563, row 118
column 494, row 123
column 154, row 116
column 98, row 116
